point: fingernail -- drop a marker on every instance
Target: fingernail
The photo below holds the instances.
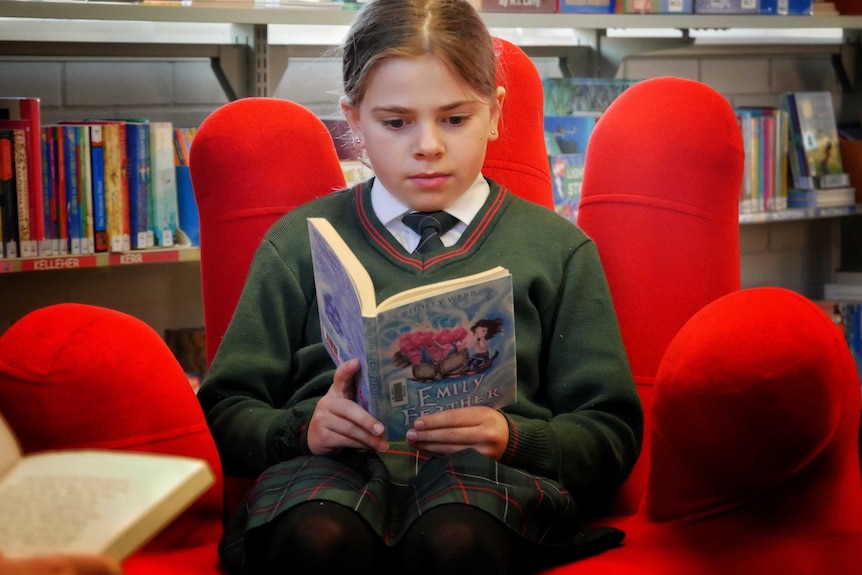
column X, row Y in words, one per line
column 384, row 447
column 411, row 435
column 377, row 428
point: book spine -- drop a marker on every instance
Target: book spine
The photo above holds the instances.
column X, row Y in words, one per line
column 137, row 149
column 97, row 163
column 46, row 246
column 85, row 190
column 164, row 182
column 377, row 400
column 7, row 184
column 22, row 191
column 73, row 207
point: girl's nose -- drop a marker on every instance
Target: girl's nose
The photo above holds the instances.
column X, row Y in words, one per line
column 430, row 142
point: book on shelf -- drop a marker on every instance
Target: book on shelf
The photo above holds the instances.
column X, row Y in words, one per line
column 587, row 6
column 821, row 198
column 90, row 501
column 8, row 215
column 537, row 6
column 164, row 183
column 764, row 184
column 29, row 110
column 786, row 7
column 814, row 134
column 141, row 234
column 658, row 6
column 188, row 222
column 727, row 6
column 568, row 134
column 568, row 96
column 441, row 346
column 567, row 177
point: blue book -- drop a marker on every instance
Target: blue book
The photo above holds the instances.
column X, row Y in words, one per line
column 70, row 172
column 189, row 224
column 138, row 153
column 425, row 350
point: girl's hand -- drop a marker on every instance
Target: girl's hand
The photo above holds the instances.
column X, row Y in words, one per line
column 60, row 565
column 482, row 428
column 339, row 422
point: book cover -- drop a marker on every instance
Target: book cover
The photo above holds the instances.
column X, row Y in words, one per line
column 139, row 177
column 821, row 198
column 568, row 134
column 818, row 130
column 26, row 245
column 658, row 7
column 97, row 164
column 164, row 182
column 727, row 6
column 72, row 188
column 116, row 186
column 787, row 7
column 46, row 247
column 567, row 96
column 433, row 348
column 89, row 501
column 8, row 247
column 29, row 110
column 567, row 177
column 587, row 6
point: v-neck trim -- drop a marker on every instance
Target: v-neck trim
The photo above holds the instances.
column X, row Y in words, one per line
column 381, row 237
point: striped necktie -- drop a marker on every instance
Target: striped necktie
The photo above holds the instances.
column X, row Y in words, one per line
column 430, row 226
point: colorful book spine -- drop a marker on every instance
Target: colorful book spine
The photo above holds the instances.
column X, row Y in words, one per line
column 138, row 152
column 116, row 187
column 727, row 7
column 97, row 164
column 85, row 190
column 164, row 182
column 46, row 247
column 73, row 207
column 62, row 244
column 28, row 109
column 587, row 6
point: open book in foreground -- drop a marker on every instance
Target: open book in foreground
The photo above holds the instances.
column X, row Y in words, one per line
column 436, row 347
column 90, row 501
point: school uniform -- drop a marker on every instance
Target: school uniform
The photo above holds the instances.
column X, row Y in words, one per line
column 574, row 432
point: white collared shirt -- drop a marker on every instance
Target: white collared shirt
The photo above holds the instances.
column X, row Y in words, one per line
column 389, row 210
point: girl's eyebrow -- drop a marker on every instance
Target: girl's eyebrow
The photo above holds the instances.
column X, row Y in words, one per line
column 402, row 110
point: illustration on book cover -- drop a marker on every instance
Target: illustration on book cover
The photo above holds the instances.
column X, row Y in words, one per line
column 443, row 348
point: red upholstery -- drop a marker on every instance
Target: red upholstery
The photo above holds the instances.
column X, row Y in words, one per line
column 517, row 158
column 251, row 161
column 754, row 464
column 660, row 199
column 81, row 376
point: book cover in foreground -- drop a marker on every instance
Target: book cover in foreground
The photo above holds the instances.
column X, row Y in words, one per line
column 424, row 350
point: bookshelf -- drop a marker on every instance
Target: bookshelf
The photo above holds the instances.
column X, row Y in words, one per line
column 138, row 257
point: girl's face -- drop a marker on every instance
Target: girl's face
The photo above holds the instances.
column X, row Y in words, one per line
column 425, row 133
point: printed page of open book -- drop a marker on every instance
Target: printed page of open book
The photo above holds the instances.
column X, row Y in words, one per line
column 92, row 501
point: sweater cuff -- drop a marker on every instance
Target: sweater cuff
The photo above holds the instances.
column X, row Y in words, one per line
column 529, row 448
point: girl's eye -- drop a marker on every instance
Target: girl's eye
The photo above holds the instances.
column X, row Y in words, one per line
column 456, row 120
column 395, row 123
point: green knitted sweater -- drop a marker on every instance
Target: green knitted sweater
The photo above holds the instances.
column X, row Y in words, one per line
column 577, row 419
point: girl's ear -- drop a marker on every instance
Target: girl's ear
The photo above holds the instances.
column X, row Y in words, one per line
column 352, row 116
column 496, row 110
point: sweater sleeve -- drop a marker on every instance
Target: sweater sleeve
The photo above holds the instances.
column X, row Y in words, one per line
column 589, row 435
column 264, row 381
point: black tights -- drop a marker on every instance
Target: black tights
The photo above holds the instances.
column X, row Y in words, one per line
column 322, row 537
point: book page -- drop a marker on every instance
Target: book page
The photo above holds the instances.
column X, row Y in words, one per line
column 94, row 502
column 422, row 292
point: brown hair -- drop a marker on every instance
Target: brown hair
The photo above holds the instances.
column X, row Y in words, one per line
column 450, row 30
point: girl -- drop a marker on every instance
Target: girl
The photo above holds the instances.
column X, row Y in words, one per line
column 472, row 490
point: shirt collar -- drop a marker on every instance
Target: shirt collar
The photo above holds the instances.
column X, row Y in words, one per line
column 388, row 208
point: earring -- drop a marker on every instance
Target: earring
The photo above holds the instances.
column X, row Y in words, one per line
column 493, row 132
column 357, row 140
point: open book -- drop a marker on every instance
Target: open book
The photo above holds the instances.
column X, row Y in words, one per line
column 90, row 501
column 439, row 346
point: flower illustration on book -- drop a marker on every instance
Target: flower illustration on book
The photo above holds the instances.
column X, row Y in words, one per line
column 433, row 355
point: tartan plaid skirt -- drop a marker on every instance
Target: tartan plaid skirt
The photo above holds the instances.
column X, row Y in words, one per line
column 391, row 490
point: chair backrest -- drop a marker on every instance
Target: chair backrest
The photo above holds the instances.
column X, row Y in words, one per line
column 75, row 376
column 660, row 199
